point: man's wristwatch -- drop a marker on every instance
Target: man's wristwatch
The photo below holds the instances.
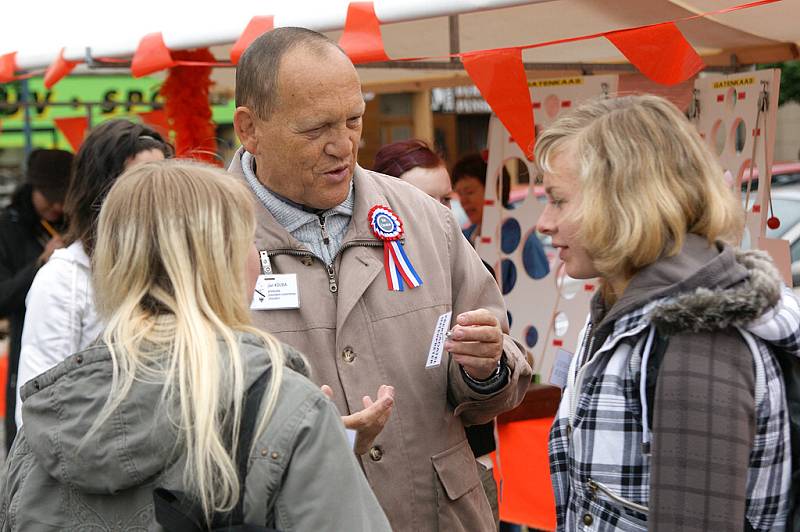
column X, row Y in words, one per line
column 493, row 383
column 494, row 375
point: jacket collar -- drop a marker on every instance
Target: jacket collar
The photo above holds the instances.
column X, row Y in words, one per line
column 367, row 195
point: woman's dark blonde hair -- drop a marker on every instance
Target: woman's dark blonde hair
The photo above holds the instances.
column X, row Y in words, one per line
column 647, row 178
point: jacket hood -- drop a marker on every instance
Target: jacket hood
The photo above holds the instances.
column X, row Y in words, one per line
column 136, row 443
column 709, row 308
column 710, row 287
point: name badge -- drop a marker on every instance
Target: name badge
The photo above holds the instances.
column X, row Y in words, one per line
column 560, row 373
column 277, row 291
column 437, row 342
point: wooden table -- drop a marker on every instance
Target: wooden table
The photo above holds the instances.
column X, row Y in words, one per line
column 541, row 401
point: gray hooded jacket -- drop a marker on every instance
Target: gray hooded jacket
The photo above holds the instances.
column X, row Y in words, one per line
column 302, row 475
column 717, row 455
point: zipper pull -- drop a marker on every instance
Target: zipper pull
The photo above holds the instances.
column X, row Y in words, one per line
column 332, row 286
column 325, row 239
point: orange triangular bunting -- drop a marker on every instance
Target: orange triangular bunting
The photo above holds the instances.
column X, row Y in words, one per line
column 74, row 129
column 8, row 65
column 362, row 40
column 660, row 52
column 57, row 70
column 500, row 76
column 255, row 28
column 151, row 56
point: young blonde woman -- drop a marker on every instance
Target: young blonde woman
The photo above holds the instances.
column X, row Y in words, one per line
column 674, row 415
column 158, row 402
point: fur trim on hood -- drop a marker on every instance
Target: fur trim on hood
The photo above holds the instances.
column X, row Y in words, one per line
column 705, row 309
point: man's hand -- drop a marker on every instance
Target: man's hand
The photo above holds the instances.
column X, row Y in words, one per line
column 52, row 245
column 476, row 343
column 368, row 423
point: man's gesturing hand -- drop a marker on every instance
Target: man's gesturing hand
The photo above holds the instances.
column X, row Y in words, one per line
column 368, row 423
column 476, row 343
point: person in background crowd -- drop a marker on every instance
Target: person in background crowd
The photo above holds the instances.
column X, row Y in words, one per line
column 30, row 230
column 157, row 402
column 413, row 162
column 326, row 226
column 674, row 414
column 61, row 318
column 469, row 183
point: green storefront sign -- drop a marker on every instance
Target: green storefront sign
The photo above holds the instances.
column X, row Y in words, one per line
column 118, row 97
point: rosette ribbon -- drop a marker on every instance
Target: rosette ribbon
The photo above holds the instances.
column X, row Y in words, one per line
column 386, row 226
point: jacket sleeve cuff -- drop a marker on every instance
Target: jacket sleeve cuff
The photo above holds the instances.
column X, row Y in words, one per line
column 493, row 384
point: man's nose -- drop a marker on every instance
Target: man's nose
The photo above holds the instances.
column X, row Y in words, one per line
column 341, row 145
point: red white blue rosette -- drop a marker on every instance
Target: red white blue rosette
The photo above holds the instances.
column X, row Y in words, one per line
column 387, row 226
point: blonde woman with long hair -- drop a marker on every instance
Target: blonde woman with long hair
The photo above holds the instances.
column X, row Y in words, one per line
column 673, row 415
column 158, row 404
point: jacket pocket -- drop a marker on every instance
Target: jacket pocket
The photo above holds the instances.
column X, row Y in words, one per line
column 628, row 510
column 461, row 501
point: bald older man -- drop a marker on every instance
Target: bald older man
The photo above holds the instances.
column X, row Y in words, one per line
column 373, row 280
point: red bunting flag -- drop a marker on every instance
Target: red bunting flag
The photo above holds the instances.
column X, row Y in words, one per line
column 57, row 70
column 151, row 56
column 255, row 28
column 500, row 77
column 8, row 65
column 660, row 52
column 157, row 120
column 74, row 129
column 362, row 40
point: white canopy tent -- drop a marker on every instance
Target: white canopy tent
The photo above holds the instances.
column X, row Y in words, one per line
column 411, row 28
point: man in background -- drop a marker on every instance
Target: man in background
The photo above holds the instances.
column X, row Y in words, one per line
column 29, row 233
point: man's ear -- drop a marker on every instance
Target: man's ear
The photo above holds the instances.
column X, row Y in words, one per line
column 244, row 123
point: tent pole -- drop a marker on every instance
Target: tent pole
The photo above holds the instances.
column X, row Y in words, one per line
column 455, row 40
column 26, row 130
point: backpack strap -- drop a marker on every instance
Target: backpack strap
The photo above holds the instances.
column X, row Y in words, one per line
column 654, row 360
column 176, row 511
column 252, row 404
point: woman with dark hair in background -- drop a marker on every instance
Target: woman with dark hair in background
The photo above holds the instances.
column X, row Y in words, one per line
column 61, row 318
column 414, row 162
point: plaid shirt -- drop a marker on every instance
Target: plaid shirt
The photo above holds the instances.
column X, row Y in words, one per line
column 601, row 476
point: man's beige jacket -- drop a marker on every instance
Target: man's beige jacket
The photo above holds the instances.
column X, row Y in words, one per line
column 364, row 335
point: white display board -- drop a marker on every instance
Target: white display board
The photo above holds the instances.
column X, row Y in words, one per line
column 544, row 315
column 726, row 113
column 736, row 115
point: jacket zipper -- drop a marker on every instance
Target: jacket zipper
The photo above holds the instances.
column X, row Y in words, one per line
column 576, row 389
column 325, row 238
column 598, row 486
column 333, row 284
